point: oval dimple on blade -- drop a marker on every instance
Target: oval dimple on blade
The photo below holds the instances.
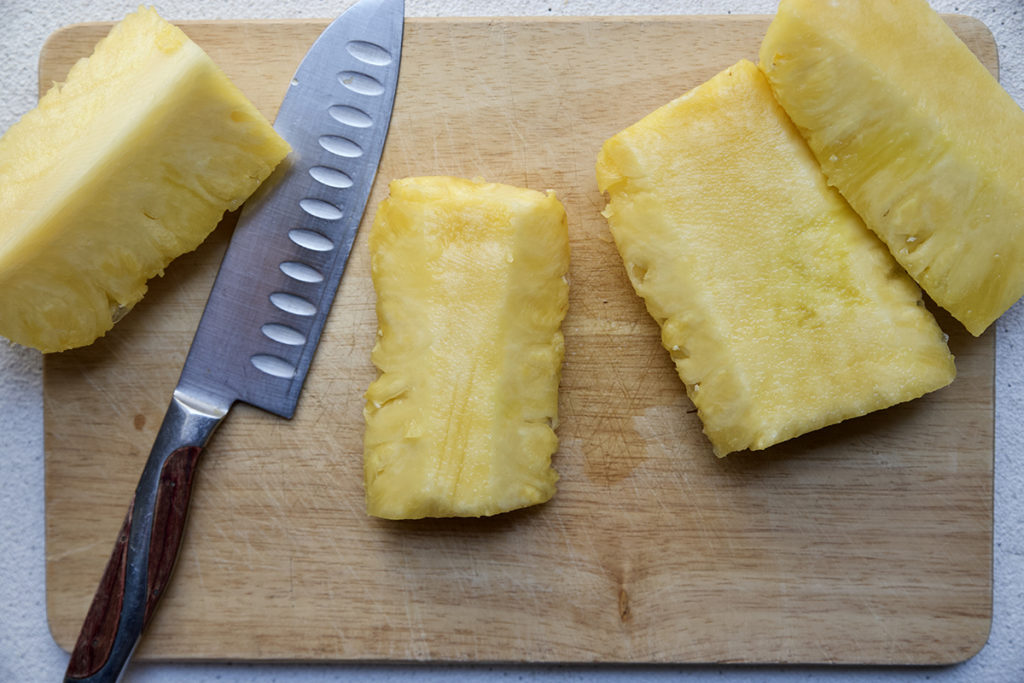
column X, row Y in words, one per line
column 301, row 272
column 350, row 116
column 310, row 239
column 368, row 53
column 361, row 83
column 331, row 177
column 274, row 366
column 283, row 334
column 294, row 304
column 340, row 146
column 318, row 208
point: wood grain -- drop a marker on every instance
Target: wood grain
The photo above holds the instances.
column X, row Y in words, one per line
column 867, row 542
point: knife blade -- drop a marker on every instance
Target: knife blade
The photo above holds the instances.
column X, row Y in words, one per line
column 263, row 319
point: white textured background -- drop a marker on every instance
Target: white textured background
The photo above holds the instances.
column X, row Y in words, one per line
column 28, row 653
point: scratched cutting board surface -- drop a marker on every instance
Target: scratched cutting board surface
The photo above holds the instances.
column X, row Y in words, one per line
column 866, row 542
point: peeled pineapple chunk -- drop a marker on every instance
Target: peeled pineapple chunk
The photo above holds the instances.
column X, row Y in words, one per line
column 919, row 138
column 781, row 310
column 128, row 164
column 471, row 291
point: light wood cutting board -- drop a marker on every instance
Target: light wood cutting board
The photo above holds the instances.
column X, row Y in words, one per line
column 867, row 542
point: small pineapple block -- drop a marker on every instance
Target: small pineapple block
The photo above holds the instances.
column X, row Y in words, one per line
column 782, row 311
column 125, row 166
column 471, row 292
column 919, row 138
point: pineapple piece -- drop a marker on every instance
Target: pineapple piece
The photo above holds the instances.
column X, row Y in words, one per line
column 471, row 291
column 781, row 311
column 128, row 164
column 917, row 135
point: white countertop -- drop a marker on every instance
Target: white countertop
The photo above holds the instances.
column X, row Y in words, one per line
column 27, row 651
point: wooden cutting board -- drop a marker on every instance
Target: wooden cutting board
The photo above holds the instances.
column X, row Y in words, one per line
column 867, row 542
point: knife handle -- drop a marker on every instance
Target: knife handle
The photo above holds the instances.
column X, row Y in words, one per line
column 146, row 547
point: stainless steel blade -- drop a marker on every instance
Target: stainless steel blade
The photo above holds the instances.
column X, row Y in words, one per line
column 263, row 320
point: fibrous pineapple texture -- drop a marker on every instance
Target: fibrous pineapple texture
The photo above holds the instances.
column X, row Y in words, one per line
column 471, row 292
column 919, row 138
column 128, row 164
column 782, row 311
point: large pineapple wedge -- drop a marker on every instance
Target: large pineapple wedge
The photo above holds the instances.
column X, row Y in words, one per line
column 128, row 164
column 917, row 135
column 781, row 310
column 471, row 291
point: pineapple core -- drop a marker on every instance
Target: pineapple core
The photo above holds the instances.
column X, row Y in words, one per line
column 917, row 135
column 471, row 292
column 782, row 311
column 128, row 164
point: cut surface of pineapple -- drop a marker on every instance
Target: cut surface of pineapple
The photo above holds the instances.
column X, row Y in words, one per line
column 782, row 312
column 917, row 135
column 471, row 292
column 129, row 163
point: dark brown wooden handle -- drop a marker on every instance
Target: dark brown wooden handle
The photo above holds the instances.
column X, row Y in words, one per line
column 172, row 500
column 138, row 570
column 96, row 639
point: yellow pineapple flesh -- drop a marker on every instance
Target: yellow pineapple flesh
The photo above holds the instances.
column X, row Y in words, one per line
column 917, row 135
column 471, row 292
column 782, row 312
column 128, row 164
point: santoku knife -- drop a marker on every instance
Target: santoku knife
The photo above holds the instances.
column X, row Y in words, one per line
column 267, row 308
